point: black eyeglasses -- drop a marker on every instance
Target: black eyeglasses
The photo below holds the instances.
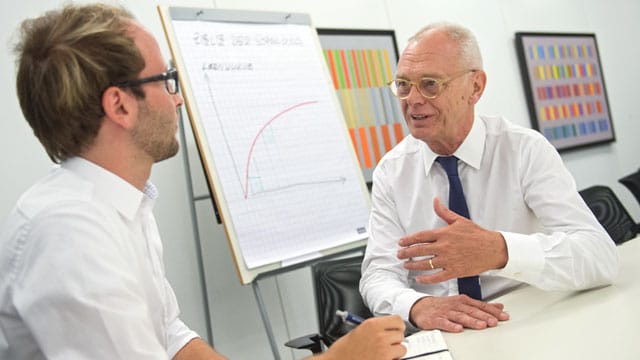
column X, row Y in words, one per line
column 170, row 79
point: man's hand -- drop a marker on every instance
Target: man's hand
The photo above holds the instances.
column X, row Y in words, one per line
column 376, row 338
column 453, row 313
column 460, row 249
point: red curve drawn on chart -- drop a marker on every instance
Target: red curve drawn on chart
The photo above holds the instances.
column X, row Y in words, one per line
column 255, row 139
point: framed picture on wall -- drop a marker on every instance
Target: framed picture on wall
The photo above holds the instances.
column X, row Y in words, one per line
column 565, row 89
column 361, row 63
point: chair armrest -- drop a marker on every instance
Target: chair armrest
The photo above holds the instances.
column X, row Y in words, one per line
column 311, row 342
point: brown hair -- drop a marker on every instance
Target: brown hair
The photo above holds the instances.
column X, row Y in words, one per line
column 66, row 60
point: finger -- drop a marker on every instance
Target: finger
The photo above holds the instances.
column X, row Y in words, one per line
column 471, row 313
column 415, row 251
column 495, row 309
column 417, row 238
column 467, row 320
column 487, row 318
column 390, row 323
column 423, row 264
column 435, row 277
column 398, row 351
column 447, row 325
column 394, row 337
column 397, row 328
column 444, row 212
column 491, row 313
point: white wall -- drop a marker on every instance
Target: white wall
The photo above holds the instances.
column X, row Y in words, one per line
column 237, row 327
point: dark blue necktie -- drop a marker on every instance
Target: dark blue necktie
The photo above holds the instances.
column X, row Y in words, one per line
column 466, row 285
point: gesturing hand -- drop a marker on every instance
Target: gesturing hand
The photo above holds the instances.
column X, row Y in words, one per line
column 453, row 313
column 460, row 249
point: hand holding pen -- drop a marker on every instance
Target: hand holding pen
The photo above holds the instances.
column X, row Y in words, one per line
column 377, row 338
column 350, row 318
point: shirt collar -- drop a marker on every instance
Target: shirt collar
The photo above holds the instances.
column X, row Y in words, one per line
column 470, row 151
column 110, row 188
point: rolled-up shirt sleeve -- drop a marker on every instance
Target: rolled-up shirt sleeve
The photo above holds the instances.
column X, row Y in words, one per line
column 178, row 334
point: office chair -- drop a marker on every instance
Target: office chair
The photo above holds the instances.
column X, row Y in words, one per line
column 336, row 284
column 610, row 212
column 632, row 182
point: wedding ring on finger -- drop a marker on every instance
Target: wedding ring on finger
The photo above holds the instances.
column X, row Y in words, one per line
column 431, row 263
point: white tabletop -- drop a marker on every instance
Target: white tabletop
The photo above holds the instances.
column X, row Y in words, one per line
column 601, row 323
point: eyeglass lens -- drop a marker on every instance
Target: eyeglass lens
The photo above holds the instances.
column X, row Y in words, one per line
column 172, row 85
column 171, row 81
column 428, row 87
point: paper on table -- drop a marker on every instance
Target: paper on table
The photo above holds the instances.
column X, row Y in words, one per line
column 427, row 345
column 444, row 355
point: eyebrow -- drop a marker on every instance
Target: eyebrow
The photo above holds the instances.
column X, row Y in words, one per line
column 431, row 76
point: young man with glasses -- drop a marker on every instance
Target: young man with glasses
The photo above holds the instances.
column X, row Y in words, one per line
column 80, row 254
column 518, row 219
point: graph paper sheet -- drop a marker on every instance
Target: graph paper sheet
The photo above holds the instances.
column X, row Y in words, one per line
column 276, row 136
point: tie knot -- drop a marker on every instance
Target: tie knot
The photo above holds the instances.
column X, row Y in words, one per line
column 449, row 164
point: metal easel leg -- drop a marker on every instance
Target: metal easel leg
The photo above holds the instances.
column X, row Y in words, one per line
column 196, row 231
column 265, row 320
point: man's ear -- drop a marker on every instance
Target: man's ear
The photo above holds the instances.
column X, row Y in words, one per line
column 119, row 106
column 479, row 82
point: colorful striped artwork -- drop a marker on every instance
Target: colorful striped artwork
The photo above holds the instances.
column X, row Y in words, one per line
column 372, row 113
column 563, row 76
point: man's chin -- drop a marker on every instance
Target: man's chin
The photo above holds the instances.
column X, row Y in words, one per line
column 420, row 133
column 169, row 153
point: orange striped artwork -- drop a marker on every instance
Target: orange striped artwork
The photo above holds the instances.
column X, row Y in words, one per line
column 332, row 68
column 375, row 143
column 356, row 69
column 386, row 137
column 397, row 130
column 354, row 142
column 360, row 75
column 365, row 147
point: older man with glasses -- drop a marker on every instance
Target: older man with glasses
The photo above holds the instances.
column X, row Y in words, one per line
column 469, row 206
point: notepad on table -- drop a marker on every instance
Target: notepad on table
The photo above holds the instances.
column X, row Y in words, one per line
column 427, row 345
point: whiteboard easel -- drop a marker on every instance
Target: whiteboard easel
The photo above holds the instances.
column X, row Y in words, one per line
column 271, row 136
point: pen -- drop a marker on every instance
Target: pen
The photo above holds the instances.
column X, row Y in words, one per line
column 349, row 317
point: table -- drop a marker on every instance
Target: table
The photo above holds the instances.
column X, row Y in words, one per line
column 602, row 323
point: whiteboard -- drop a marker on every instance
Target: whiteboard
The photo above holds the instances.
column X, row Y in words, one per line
column 271, row 135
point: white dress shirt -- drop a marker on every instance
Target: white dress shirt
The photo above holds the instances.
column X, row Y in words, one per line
column 81, row 272
column 514, row 182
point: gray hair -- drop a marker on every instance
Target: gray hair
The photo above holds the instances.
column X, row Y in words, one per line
column 467, row 44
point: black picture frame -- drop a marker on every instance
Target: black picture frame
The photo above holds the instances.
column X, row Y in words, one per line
column 565, row 89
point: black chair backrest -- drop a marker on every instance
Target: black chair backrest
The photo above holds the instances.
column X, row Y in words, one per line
column 336, row 288
column 632, row 182
column 610, row 212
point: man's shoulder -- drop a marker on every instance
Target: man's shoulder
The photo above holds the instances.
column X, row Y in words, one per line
column 49, row 206
column 57, row 190
column 503, row 130
column 407, row 147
